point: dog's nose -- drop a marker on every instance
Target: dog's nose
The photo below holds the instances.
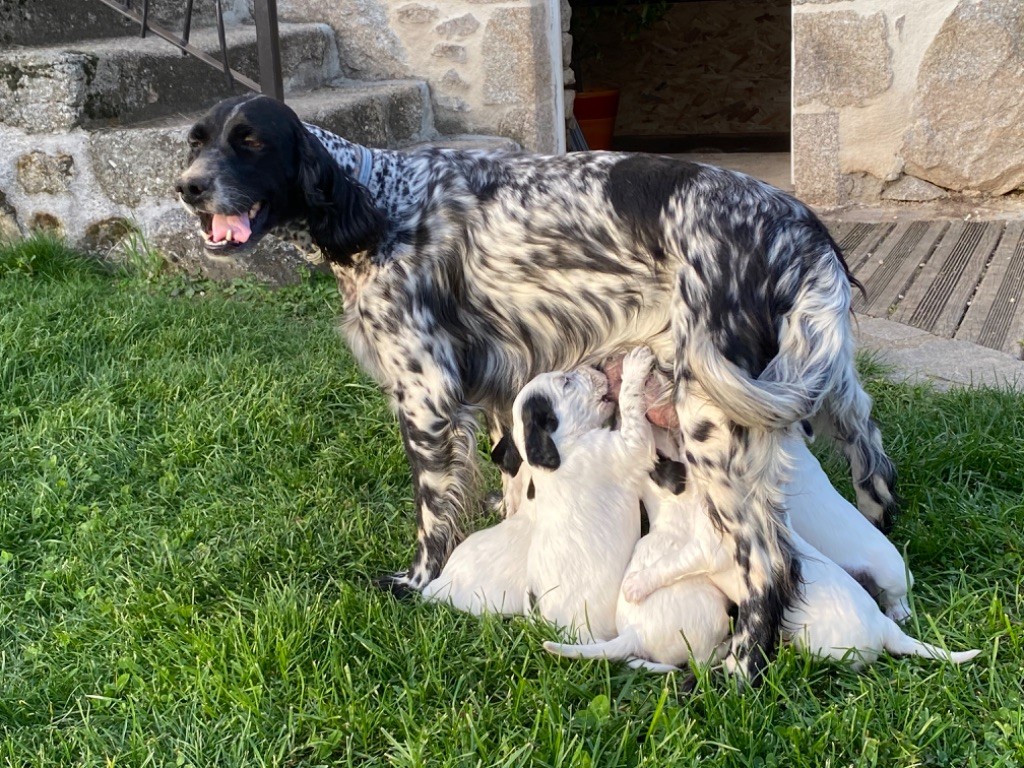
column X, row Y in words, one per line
column 192, row 190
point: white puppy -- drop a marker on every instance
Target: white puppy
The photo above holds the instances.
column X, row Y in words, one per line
column 687, row 620
column 587, row 480
column 834, row 527
column 834, row 616
column 486, row 573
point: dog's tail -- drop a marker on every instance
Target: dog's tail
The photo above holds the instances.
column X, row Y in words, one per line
column 813, row 338
column 899, row 643
column 625, row 647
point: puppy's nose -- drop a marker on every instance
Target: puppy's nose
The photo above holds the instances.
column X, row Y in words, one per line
column 192, row 189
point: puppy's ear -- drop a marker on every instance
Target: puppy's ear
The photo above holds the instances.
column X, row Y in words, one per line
column 342, row 219
column 506, row 455
column 539, row 423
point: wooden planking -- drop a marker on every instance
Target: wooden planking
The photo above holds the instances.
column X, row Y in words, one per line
column 996, row 316
column 858, row 239
column 938, row 297
column 894, row 263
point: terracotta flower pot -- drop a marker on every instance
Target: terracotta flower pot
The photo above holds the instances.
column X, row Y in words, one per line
column 595, row 111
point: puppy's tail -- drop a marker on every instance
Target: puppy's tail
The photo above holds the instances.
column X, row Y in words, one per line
column 811, row 343
column 899, row 643
column 620, row 648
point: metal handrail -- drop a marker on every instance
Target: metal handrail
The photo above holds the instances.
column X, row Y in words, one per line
column 268, row 43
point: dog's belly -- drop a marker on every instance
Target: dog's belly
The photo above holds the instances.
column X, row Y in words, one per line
column 568, row 302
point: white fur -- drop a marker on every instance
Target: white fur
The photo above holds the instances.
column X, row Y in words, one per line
column 837, row 619
column 687, row 620
column 832, row 617
column 834, row 527
column 486, row 573
column 588, row 508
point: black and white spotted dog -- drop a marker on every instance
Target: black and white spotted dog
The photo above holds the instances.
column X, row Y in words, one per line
column 466, row 273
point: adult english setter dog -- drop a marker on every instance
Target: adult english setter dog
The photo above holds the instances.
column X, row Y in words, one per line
column 466, row 273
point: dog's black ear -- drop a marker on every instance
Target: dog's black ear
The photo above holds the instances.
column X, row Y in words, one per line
column 342, row 219
column 506, row 455
column 539, row 423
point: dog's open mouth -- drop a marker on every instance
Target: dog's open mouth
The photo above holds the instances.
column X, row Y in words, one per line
column 237, row 231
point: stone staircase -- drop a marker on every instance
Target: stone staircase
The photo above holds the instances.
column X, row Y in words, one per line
column 93, row 120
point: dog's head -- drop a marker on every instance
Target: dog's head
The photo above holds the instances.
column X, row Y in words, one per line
column 252, row 166
column 556, row 408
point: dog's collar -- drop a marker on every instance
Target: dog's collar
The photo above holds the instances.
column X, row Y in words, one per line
column 365, row 165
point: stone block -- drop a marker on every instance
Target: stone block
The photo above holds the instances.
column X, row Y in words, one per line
column 132, row 164
column 44, row 91
column 514, row 72
column 451, row 52
column 10, row 229
column 367, row 46
column 46, row 222
column 101, row 236
column 843, row 58
column 452, row 80
column 910, row 189
column 966, row 128
column 816, row 175
column 414, row 13
column 458, row 27
column 42, row 173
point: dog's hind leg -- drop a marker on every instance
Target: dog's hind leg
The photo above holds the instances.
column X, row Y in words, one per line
column 846, row 419
column 737, row 470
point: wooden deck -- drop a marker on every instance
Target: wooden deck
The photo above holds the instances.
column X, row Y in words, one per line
column 955, row 279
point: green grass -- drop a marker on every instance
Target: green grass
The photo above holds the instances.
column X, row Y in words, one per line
column 197, row 487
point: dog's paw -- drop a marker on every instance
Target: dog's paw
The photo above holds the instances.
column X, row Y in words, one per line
column 637, row 365
column 398, row 584
column 635, row 588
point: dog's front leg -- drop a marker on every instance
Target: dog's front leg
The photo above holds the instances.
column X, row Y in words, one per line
column 439, row 434
column 634, row 428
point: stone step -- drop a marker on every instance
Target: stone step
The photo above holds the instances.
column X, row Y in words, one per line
column 82, row 181
column 52, row 22
column 129, row 80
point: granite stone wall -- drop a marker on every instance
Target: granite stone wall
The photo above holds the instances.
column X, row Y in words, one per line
column 488, row 62
column 907, row 100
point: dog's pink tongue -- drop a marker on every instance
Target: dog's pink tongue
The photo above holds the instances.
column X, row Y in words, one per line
column 235, row 228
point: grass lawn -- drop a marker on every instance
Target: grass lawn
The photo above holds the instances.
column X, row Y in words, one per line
column 197, row 487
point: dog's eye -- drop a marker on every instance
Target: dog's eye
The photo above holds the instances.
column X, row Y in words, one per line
column 196, row 139
column 252, row 142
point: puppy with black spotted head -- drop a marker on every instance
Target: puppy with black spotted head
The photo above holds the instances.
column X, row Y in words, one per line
column 683, row 622
column 587, row 480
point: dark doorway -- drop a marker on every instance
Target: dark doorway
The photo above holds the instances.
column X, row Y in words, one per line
column 693, row 75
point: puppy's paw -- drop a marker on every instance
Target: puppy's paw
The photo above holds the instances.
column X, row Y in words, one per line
column 898, row 611
column 636, row 587
column 637, row 365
